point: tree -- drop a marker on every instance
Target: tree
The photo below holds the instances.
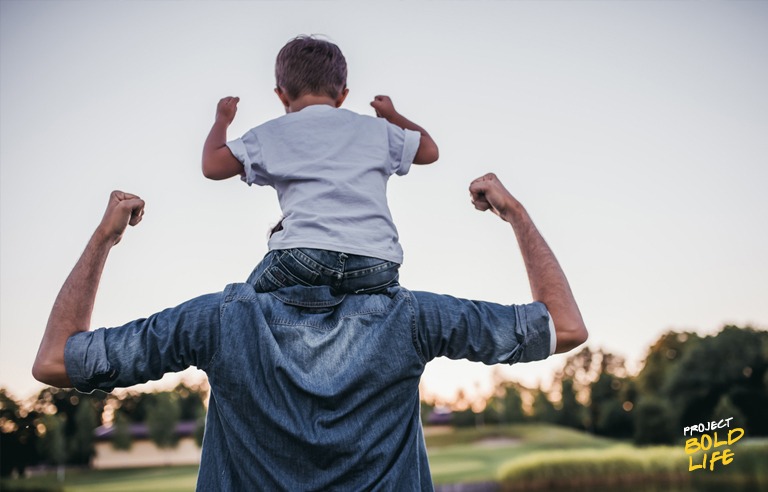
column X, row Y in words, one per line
column 53, row 444
column 121, row 439
column 653, row 422
column 731, row 363
column 543, row 408
column 18, row 437
column 592, row 381
column 162, row 418
column 425, row 410
column 506, row 407
column 191, row 401
column 725, row 409
column 192, row 407
column 134, row 405
column 663, row 358
column 614, row 420
column 80, row 414
column 608, row 410
column 571, row 412
column 81, row 442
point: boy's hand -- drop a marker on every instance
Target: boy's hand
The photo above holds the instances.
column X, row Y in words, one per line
column 226, row 110
column 384, row 107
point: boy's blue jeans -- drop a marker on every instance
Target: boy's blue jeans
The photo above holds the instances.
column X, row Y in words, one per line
column 344, row 273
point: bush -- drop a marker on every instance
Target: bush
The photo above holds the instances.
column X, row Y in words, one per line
column 625, row 465
column 618, row 465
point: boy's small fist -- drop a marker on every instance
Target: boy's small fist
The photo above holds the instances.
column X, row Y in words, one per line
column 384, row 107
column 226, row 109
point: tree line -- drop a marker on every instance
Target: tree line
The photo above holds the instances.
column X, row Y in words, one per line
column 686, row 379
column 58, row 427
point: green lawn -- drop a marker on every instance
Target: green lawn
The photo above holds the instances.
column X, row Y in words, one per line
column 166, row 479
column 474, row 455
column 462, row 455
column 531, row 454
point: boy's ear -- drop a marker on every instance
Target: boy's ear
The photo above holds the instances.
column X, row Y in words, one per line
column 342, row 96
column 283, row 97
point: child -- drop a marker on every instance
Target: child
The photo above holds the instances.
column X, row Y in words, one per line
column 329, row 167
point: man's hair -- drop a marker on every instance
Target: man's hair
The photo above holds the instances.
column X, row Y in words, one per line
column 308, row 65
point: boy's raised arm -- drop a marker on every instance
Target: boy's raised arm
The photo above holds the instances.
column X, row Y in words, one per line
column 218, row 161
column 428, row 152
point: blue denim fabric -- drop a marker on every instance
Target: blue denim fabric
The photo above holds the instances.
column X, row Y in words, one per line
column 309, row 391
column 344, row 273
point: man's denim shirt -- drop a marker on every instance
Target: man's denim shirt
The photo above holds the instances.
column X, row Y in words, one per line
column 310, row 391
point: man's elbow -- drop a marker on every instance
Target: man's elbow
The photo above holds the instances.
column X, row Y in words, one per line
column 571, row 338
column 41, row 373
column 50, row 373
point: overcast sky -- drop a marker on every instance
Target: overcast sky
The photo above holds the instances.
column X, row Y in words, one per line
column 634, row 133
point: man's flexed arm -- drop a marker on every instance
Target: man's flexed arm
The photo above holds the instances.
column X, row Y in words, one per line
column 72, row 309
column 547, row 280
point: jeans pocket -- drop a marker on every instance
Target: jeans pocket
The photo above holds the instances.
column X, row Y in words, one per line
column 285, row 270
column 371, row 280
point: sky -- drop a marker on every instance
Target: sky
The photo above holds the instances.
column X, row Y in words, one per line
column 634, row 133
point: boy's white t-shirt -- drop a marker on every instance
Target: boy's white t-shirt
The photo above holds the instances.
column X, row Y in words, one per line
column 330, row 168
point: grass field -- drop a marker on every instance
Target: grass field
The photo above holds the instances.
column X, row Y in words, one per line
column 456, row 456
column 474, row 455
column 463, row 455
column 166, row 479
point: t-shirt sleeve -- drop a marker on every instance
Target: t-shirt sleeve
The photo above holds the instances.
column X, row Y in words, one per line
column 145, row 349
column 247, row 150
column 403, row 145
column 481, row 331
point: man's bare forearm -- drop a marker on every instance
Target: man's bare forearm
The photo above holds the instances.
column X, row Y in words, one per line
column 547, row 280
column 71, row 312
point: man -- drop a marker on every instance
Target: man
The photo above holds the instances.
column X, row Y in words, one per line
column 309, row 391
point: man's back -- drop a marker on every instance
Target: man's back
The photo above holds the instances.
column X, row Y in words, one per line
column 312, row 392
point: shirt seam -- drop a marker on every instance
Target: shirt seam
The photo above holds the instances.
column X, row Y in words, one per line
column 414, row 328
column 214, row 357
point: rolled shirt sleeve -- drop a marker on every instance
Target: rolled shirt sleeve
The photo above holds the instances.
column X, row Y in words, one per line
column 403, row 145
column 145, row 349
column 482, row 331
column 247, row 150
column 552, row 335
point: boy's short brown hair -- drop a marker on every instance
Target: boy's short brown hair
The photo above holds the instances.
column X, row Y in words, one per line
column 308, row 65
